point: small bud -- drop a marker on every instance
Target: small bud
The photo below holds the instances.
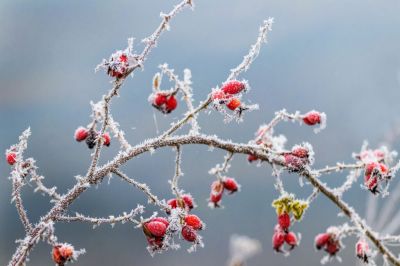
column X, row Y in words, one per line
column 81, row 134
column 231, row 184
column 284, row 221
column 189, row 234
column 11, row 158
column 156, row 81
column 233, row 87
column 193, row 221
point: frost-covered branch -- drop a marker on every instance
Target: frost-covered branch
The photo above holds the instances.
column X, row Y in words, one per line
column 254, row 50
column 112, row 220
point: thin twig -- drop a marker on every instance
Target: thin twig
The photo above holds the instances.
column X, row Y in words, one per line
column 153, row 199
column 178, row 173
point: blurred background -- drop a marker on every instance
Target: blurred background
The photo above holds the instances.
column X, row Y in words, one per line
column 340, row 57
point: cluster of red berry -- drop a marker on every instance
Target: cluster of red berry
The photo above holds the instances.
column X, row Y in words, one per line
column 295, row 160
column 329, row 241
column 376, row 168
column 286, row 206
column 157, row 228
column 281, row 236
column 229, row 95
column 218, row 187
column 90, row 136
column 298, row 158
column 164, row 101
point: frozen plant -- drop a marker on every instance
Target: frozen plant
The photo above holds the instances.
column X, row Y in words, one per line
column 177, row 222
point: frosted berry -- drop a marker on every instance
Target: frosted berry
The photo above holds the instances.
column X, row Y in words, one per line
column 321, row 240
column 171, row 104
column 118, row 66
column 164, row 102
column 278, row 239
column 380, row 167
column 374, row 171
column 231, row 185
column 291, row 239
column 154, row 228
column 284, row 221
column 106, row 139
column 371, row 182
column 332, row 247
column 81, row 134
column 159, row 99
column 218, row 95
column 300, row 152
column 62, row 253
column 161, row 220
column 11, row 158
column 294, row 163
column 362, row 250
column 185, row 202
column 251, row 158
column 188, row 200
column 312, row 118
column 91, row 139
column 172, row 203
column 233, row 87
column 233, row 104
column 189, row 234
column 193, row 221
column 217, row 189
